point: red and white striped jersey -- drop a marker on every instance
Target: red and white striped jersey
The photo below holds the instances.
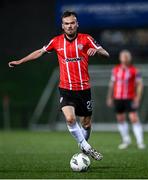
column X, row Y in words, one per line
column 125, row 81
column 73, row 60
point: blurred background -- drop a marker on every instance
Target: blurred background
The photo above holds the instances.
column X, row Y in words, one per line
column 28, row 93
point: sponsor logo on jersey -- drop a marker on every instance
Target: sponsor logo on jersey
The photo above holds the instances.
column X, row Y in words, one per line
column 73, row 59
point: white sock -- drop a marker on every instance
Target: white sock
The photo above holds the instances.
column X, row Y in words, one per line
column 138, row 132
column 86, row 132
column 123, row 129
column 76, row 132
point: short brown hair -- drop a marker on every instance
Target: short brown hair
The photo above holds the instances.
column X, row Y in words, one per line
column 69, row 13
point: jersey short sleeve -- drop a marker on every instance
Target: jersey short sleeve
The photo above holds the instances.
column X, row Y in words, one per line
column 50, row 46
column 92, row 43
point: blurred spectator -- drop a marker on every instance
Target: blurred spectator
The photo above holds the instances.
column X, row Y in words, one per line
column 113, row 37
column 142, row 37
column 125, row 37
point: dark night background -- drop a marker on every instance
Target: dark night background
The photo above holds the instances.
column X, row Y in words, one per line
column 25, row 27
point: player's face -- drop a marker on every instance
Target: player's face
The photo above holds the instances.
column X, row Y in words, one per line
column 125, row 58
column 70, row 25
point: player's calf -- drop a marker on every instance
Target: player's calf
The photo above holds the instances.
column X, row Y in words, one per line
column 137, row 129
column 86, row 126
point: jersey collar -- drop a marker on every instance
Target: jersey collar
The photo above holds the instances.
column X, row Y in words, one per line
column 71, row 39
column 126, row 67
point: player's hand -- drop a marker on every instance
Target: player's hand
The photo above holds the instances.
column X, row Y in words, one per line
column 14, row 63
column 91, row 51
column 136, row 102
column 109, row 102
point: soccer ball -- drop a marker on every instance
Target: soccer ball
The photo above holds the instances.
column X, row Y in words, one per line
column 79, row 162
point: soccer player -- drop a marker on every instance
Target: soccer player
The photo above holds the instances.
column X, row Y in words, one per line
column 125, row 91
column 73, row 50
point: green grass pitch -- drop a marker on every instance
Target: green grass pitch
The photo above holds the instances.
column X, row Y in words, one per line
column 47, row 155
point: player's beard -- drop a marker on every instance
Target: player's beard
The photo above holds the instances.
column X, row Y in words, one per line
column 71, row 35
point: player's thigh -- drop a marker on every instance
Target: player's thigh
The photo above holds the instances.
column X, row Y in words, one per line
column 133, row 116
column 85, row 121
column 69, row 113
column 119, row 106
column 84, row 104
column 121, row 117
column 132, row 111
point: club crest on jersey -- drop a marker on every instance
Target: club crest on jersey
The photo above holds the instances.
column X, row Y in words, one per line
column 80, row 46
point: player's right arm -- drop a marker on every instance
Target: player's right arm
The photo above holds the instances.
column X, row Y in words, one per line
column 34, row 55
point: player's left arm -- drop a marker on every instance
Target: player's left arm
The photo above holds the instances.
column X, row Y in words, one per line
column 139, row 87
column 94, row 48
column 102, row 52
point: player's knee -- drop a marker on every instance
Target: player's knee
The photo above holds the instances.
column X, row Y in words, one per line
column 70, row 119
column 133, row 117
column 120, row 118
column 86, row 124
